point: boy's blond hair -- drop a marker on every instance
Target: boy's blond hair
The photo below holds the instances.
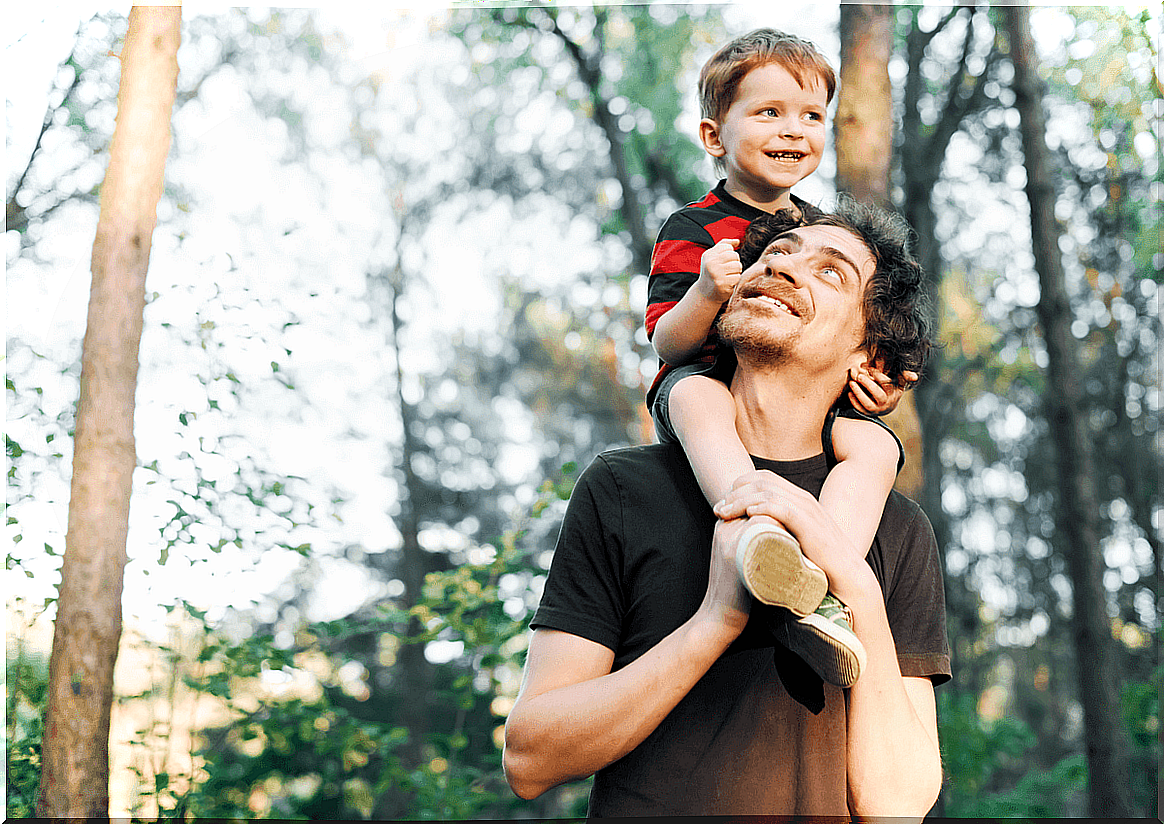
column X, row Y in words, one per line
column 721, row 75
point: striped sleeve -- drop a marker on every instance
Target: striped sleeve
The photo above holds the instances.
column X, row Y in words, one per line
column 684, row 238
column 674, row 264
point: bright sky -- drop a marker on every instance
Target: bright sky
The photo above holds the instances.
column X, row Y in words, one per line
column 388, row 40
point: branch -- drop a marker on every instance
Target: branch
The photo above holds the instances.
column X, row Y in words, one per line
column 589, row 70
column 958, row 105
column 14, row 217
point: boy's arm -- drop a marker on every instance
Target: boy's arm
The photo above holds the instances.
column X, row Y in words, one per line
column 574, row 716
column 680, row 333
column 855, row 490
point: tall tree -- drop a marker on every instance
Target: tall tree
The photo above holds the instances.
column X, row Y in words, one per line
column 863, row 127
column 938, row 96
column 863, row 133
column 75, row 773
column 1079, row 514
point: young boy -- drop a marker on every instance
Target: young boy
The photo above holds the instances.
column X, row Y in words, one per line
column 763, row 97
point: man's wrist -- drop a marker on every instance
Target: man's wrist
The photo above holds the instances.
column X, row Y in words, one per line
column 713, row 627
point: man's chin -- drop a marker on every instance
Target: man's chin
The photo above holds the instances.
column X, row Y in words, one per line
column 752, row 342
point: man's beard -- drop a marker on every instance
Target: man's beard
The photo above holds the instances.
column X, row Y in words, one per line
column 752, row 339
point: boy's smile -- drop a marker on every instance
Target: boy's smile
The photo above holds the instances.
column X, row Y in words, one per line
column 771, row 137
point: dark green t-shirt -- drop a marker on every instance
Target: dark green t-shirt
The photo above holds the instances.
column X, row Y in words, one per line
column 631, row 565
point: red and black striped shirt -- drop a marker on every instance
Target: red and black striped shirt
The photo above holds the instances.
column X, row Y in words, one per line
column 686, row 235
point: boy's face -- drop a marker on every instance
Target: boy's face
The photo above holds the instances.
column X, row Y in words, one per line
column 771, row 137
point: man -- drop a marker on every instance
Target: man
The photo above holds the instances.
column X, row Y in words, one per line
column 649, row 663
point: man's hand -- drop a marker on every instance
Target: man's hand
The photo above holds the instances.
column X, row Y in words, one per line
column 719, row 270
column 821, row 539
column 727, row 603
column 872, row 392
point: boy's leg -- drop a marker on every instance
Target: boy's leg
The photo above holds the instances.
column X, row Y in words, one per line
column 854, row 493
column 702, row 414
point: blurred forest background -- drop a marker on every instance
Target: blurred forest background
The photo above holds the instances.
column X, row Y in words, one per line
column 394, row 306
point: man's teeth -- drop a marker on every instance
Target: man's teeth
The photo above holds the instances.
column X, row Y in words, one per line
column 777, row 303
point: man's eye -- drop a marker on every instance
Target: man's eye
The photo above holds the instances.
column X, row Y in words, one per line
column 832, row 272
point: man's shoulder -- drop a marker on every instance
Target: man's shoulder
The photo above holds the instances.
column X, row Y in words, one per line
column 655, row 457
column 903, row 517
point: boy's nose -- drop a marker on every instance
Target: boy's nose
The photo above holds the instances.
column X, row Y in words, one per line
column 791, row 127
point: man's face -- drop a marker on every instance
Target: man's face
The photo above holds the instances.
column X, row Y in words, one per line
column 802, row 301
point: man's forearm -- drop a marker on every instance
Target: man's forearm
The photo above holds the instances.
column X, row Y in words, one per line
column 573, row 730
column 894, row 762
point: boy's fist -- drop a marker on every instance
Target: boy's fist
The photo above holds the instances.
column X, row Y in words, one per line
column 719, row 270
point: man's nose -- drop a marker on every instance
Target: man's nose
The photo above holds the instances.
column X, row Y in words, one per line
column 788, row 266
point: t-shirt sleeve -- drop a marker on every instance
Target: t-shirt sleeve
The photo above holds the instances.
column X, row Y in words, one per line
column 674, row 265
column 583, row 595
column 916, row 601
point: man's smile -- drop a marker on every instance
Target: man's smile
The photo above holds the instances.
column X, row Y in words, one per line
column 786, row 301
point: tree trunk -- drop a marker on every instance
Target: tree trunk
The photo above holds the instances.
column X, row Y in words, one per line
column 75, row 756
column 416, row 682
column 864, row 122
column 863, row 134
column 1078, row 518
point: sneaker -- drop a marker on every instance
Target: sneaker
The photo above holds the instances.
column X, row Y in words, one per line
column 826, row 641
column 776, row 572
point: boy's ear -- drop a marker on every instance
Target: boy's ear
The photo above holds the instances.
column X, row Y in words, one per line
column 710, row 138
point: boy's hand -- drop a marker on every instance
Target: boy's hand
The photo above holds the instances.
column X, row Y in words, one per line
column 719, row 270
column 872, row 392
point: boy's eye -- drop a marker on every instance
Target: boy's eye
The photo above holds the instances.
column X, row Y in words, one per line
column 770, row 112
column 815, row 116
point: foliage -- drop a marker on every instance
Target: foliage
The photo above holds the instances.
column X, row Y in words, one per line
column 979, row 756
column 26, row 687
column 322, row 753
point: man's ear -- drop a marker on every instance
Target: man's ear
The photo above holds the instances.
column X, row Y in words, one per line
column 709, row 136
column 857, row 361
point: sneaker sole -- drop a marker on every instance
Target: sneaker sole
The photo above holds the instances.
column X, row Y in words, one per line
column 776, row 572
column 833, row 651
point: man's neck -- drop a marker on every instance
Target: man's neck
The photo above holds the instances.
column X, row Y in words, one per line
column 778, row 416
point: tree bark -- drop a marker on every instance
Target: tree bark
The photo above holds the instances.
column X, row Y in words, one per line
column 75, row 754
column 416, row 673
column 863, row 134
column 1079, row 499
column 863, row 128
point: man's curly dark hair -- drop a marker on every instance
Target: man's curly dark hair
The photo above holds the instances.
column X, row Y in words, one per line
column 895, row 304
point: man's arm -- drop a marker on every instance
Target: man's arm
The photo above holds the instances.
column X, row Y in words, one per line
column 573, row 716
column 894, row 765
